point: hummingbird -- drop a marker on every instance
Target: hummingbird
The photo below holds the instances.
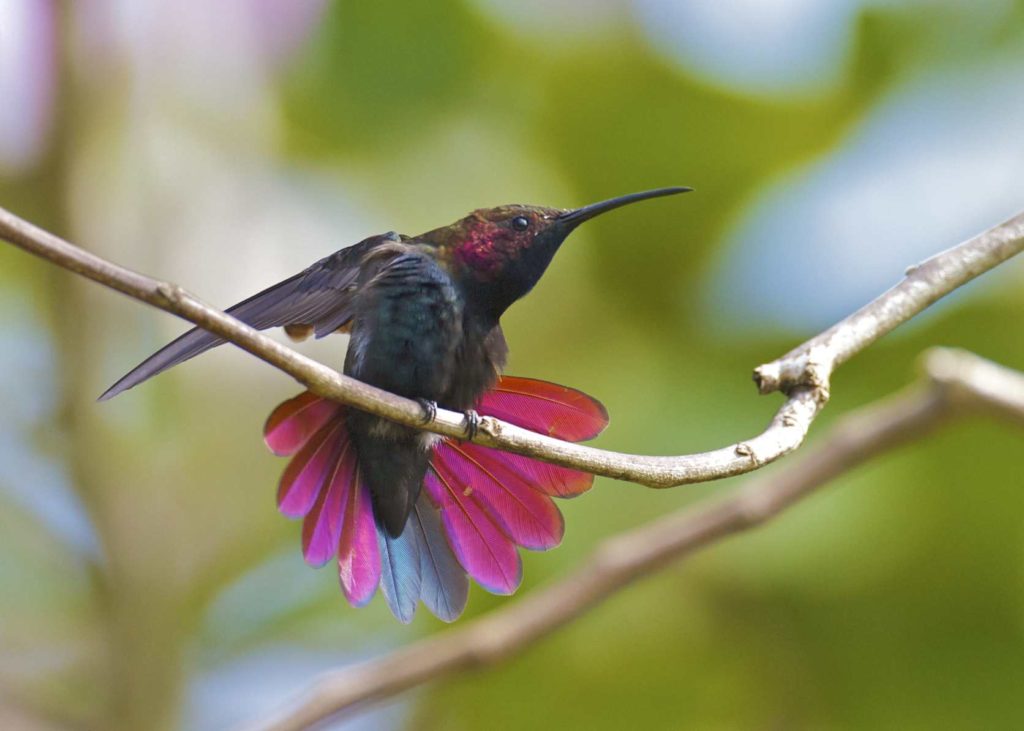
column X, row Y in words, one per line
column 396, row 506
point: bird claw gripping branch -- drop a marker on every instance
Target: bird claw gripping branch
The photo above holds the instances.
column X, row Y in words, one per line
column 429, row 409
column 472, row 421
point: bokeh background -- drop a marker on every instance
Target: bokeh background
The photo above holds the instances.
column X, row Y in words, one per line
column 146, row 581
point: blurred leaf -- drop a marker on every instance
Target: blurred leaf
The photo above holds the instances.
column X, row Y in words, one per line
column 380, row 73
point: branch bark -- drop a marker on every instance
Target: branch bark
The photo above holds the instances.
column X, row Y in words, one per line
column 957, row 383
column 812, row 364
column 803, row 374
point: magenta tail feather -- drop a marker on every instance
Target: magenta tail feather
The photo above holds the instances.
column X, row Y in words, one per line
column 544, row 407
column 293, row 422
column 526, row 516
column 358, row 551
column 304, row 477
column 321, row 528
column 488, row 556
column 478, row 505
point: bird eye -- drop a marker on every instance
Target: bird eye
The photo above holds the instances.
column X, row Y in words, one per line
column 520, row 223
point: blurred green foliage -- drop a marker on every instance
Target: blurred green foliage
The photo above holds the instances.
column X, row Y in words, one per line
column 891, row 600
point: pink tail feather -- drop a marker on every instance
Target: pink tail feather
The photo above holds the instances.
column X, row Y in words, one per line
column 321, row 528
column 358, row 552
column 484, row 551
column 526, row 516
column 293, row 422
column 478, row 504
column 545, row 407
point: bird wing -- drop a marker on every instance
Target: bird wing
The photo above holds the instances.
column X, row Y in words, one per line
column 318, row 298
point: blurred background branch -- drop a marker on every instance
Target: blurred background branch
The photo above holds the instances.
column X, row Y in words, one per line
column 955, row 384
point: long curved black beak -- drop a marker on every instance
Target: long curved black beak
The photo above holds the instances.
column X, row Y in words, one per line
column 577, row 216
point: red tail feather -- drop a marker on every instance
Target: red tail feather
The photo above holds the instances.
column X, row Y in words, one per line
column 321, row 529
column 304, row 477
column 527, row 516
column 358, row 552
column 479, row 544
column 293, row 422
column 544, row 407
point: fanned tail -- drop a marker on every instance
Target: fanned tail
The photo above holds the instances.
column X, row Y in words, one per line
column 477, row 507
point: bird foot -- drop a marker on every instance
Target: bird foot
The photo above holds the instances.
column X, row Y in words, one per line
column 472, row 421
column 429, row 409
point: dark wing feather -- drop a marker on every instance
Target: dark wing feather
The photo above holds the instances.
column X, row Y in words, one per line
column 320, row 296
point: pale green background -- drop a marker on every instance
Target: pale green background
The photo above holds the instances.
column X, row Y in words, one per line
column 146, row 580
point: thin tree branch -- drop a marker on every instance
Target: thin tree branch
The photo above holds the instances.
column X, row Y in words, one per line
column 813, row 363
column 957, row 382
column 803, row 374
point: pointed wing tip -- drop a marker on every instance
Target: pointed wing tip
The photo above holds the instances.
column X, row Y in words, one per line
column 111, row 392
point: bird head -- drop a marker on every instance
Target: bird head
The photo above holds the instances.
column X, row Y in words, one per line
column 499, row 254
